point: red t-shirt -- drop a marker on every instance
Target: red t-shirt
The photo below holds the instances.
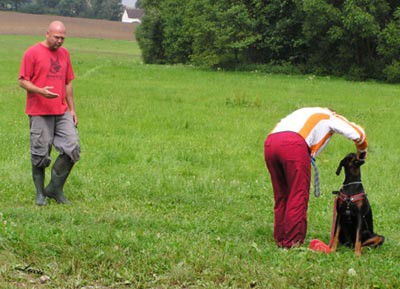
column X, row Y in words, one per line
column 45, row 67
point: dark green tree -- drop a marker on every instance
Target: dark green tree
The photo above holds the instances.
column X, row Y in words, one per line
column 176, row 40
column 101, row 9
column 12, row 4
column 150, row 35
column 72, row 8
column 107, row 9
column 389, row 48
column 222, row 35
column 356, row 38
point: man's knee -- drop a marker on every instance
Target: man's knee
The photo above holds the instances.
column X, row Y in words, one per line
column 69, row 147
column 75, row 154
column 40, row 161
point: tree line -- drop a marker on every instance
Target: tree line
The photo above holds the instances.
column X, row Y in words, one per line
column 359, row 39
column 97, row 9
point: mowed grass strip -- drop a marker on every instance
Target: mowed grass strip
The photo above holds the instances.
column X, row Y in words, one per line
column 172, row 190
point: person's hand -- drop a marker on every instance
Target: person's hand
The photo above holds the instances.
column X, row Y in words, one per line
column 74, row 117
column 46, row 92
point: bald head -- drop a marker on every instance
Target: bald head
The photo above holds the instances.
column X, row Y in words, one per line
column 55, row 35
column 56, row 27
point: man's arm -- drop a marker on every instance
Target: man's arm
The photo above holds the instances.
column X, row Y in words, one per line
column 30, row 87
column 351, row 131
column 69, row 98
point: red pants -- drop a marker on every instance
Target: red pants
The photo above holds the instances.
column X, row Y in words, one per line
column 288, row 160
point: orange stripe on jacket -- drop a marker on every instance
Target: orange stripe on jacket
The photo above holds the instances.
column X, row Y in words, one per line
column 316, row 147
column 311, row 122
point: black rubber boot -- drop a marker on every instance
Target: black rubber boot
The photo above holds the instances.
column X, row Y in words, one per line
column 38, row 175
column 59, row 174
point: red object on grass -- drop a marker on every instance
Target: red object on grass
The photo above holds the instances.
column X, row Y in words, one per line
column 318, row 245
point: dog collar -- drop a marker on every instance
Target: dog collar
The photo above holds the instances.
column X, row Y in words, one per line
column 352, row 183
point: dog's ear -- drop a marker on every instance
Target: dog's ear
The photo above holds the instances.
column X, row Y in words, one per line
column 339, row 169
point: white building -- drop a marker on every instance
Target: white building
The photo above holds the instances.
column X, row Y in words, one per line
column 132, row 15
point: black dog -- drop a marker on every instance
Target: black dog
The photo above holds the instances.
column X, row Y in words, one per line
column 353, row 225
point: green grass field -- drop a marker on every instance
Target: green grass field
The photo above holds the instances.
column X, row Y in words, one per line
column 172, row 190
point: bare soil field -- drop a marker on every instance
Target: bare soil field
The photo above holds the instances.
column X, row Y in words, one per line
column 14, row 23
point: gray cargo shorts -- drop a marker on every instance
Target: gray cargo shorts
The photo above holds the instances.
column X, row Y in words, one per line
column 53, row 130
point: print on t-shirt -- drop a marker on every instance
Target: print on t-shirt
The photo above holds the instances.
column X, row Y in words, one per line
column 55, row 65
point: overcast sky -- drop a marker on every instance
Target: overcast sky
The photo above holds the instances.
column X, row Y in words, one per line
column 130, row 3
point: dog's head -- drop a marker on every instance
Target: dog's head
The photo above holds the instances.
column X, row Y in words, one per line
column 351, row 165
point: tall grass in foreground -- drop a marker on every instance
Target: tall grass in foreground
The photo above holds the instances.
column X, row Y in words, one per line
column 172, row 190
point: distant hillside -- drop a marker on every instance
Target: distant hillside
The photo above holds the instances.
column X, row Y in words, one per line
column 32, row 24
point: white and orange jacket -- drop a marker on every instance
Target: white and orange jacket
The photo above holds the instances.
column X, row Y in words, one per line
column 317, row 125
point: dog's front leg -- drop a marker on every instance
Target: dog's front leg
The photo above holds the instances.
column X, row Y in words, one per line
column 335, row 240
column 358, row 245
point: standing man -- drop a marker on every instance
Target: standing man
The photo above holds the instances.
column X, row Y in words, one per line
column 46, row 74
column 287, row 151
